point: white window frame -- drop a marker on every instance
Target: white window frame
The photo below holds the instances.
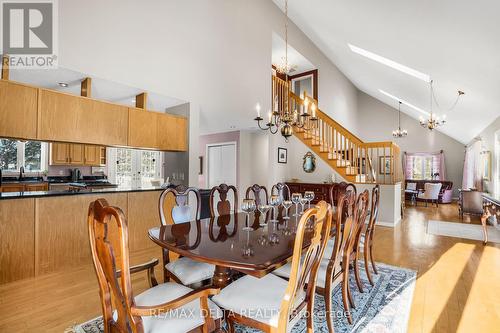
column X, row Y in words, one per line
column 422, row 164
column 136, row 166
column 21, row 160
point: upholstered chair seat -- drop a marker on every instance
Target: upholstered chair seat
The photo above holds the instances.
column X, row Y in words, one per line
column 258, row 299
column 431, row 192
column 188, row 271
column 183, row 319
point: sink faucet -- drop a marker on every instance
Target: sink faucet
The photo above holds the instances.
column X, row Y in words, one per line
column 21, row 173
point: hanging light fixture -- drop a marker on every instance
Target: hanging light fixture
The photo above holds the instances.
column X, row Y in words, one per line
column 399, row 133
column 282, row 118
column 435, row 121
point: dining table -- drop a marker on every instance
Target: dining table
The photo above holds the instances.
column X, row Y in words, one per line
column 238, row 242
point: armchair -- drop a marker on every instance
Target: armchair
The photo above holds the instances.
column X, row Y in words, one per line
column 430, row 194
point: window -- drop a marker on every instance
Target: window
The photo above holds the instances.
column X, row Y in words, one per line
column 134, row 168
column 422, row 167
column 425, row 166
column 14, row 154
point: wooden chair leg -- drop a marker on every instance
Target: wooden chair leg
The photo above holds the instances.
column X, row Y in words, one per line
column 373, row 260
column 328, row 305
column 366, row 252
column 346, row 299
column 357, row 275
column 230, row 325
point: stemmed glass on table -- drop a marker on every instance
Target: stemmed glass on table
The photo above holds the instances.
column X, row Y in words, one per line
column 296, row 200
column 275, row 201
column 309, row 195
column 248, row 206
column 263, row 209
column 286, row 204
column 303, row 201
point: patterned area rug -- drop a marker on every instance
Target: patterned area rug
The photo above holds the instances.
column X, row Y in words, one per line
column 382, row 308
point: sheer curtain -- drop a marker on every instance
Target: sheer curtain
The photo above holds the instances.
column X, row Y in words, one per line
column 472, row 167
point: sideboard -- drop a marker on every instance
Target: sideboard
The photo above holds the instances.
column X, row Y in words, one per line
column 491, row 209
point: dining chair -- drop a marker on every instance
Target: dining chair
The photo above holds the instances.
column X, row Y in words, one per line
column 366, row 243
column 282, row 190
column 183, row 270
column 431, row 193
column 272, row 304
column 158, row 309
column 338, row 189
column 334, row 268
column 223, row 206
column 259, row 194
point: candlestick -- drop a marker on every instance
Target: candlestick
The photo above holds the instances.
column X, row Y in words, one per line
column 258, row 109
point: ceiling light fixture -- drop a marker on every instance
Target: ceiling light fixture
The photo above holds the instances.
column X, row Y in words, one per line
column 416, row 108
column 390, row 63
column 63, row 84
column 282, row 118
column 399, row 133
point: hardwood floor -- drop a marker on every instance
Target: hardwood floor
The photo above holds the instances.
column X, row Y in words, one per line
column 457, row 290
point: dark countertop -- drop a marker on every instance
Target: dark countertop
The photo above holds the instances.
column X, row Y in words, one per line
column 41, row 194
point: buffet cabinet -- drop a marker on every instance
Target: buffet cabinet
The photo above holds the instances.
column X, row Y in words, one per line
column 321, row 191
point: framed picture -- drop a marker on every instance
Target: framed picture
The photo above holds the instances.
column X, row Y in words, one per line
column 309, row 164
column 282, row 155
column 384, row 165
column 200, row 171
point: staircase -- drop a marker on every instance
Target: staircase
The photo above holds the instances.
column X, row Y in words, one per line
column 356, row 161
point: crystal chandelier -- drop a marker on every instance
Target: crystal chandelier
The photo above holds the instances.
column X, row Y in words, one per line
column 435, row 121
column 282, row 118
column 399, row 133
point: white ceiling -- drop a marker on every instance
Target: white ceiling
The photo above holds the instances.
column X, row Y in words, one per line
column 101, row 89
column 456, row 42
column 295, row 60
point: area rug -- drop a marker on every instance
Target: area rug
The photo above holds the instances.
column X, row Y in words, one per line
column 463, row 230
column 384, row 307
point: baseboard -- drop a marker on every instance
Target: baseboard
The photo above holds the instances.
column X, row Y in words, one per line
column 388, row 224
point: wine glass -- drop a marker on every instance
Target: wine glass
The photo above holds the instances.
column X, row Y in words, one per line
column 296, row 200
column 263, row 209
column 309, row 195
column 247, row 249
column 286, row 204
column 274, row 238
column 275, row 201
column 248, row 206
column 303, row 201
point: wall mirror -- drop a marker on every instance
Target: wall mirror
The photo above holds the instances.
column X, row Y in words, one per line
column 309, row 164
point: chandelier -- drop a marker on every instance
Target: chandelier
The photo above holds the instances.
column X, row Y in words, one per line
column 282, row 118
column 435, row 121
column 399, row 133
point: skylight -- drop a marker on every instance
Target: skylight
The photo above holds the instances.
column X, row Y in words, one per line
column 390, row 63
column 404, row 102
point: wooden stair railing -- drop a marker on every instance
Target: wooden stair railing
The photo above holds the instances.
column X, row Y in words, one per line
column 355, row 160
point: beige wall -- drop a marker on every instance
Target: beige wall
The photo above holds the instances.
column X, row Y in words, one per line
column 377, row 121
column 491, row 141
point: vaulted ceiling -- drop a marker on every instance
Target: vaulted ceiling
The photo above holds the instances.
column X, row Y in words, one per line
column 457, row 43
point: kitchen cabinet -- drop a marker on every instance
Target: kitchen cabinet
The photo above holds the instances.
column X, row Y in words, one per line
column 18, row 110
column 172, row 133
column 143, row 131
column 68, row 118
column 77, row 154
column 24, row 187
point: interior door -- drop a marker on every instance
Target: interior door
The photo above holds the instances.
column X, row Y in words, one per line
column 221, row 164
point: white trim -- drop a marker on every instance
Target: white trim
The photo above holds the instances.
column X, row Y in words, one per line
column 227, row 143
column 388, row 224
column 300, row 78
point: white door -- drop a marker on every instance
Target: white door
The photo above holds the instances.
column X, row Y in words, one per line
column 221, row 164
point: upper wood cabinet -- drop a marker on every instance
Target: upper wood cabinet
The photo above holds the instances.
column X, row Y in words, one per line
column 77, row 154
column 65, row 117
column 155, row 130
column 172, row 133
column 18, row 110
column 142, row 128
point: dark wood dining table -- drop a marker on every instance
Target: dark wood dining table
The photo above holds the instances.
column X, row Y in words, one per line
column 222, row 241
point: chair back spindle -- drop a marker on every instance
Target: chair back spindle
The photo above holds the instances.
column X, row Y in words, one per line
column 305, row 262
column 259, row 193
